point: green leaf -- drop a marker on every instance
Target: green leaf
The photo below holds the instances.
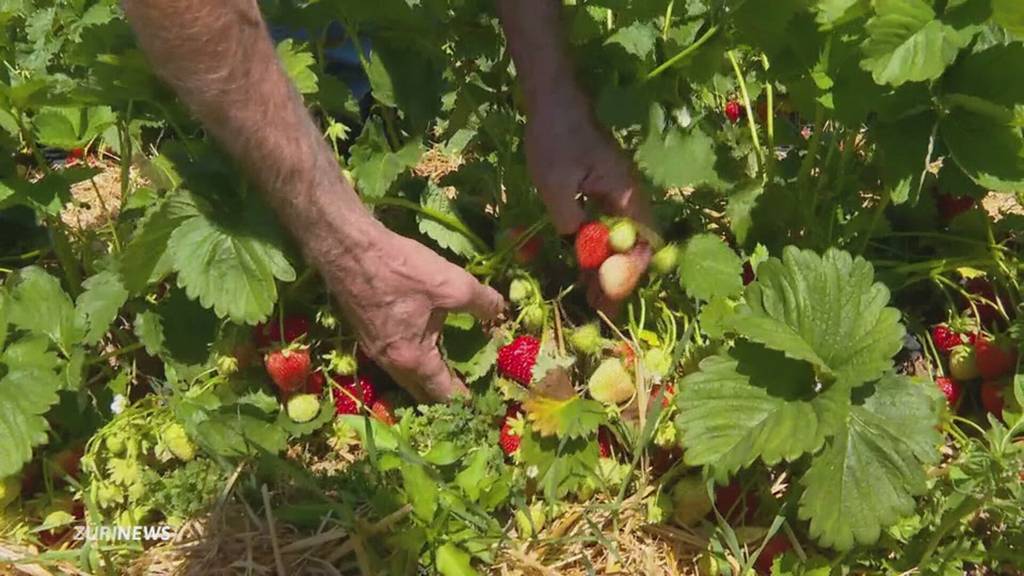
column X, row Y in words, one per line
column 454, row 561
column 231, row 268
column 39, row 304
column 145, row 259
column 374, row 166
column 1010, row 15
column 27, row 391
column 421, row 491
column 831, row 12
column 754, row 403
column 678, row 159
column 298, row 64
column 3, row 318
column 826, row 310
column 98, row 305
column 869, row 472
column 69, row 128
column 436, row 200
column 906, row 43
column 571, row 418
column 902, row 151
column 989, row 151
column 177, row 329
column 408, row 79
column 709, row 268
column 637, row 39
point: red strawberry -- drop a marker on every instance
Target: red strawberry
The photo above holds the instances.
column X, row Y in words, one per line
column 516, row 360
column 288, row 367
column 992, row 359
column 350, row 394
column 624, row 351
column 605, row 440
column 271, row 332
column 951, row 388
column 733, row 111
column 748, row 273
column 507, row 438
column 382, row 411
column 670, row 392
column 315, row 383
column 778, row 545
column 952, row 206
column 528, row 251
column 945, row 338
column 592, row 247
column 992, row 398
column 68, row 462
column 733, row 502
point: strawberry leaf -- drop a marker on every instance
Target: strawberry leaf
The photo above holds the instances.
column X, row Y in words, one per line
column 28, row 390
column 375, row 166
column 571, row 418
column 906, row 43
column 659, row 155
column 989, row 150
column 298, row 64
column 869, row 472
column 230, row 267
column 435, row 200
column 754, row 403
column 39, row 304
column 145, row 259
column 710, row 269
column 562, row 465
column 98, row 305
column 826, row 310
column 1010, row 15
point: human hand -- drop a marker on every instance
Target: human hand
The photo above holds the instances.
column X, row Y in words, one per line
column 396, row 294
column 570, row 157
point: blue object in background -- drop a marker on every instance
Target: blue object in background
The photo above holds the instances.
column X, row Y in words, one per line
column 340, row 55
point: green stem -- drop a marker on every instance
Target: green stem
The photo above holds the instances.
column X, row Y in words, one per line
column 770, row 95
column 965, row 509
column 684, row 53
column 135, row 346
column 751, row 121
column 126, row 155
column 443, row 219
column 668, row 20
column 875, row 219
column 30, row 141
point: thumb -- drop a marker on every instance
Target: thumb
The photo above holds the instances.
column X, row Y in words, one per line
column 566, row 213
column 483, row 302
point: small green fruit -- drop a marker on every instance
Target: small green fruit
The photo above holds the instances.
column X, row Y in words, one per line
column 533, row 317
column 227, row 365
column 611, row 383
column 176, row 440
column 10, row 489
column 962, row 363
column 115, row 444
column 622, row 236
column 342, row 364
column 657, row 362
column 666, row 260
column 690, row 501
column 520, row 291
column 586, row 339
column 303, row 407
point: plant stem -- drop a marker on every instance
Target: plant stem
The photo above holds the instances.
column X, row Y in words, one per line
column 119, row 352
column 751, row 122
column 668, row 20
column 440, row 218
column 684, row 53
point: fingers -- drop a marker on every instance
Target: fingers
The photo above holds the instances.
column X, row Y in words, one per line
column 419, row 368
column 483, row 302
column 566, row 213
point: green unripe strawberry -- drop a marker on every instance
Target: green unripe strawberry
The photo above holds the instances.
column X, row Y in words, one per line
column 622, row 236
column 690, row 501
column 666, row 260
column 176, row 440
column 533, row 317
column 657, row 362
column 115, row 444
column 227, row 365
column 611, row 383
column 342, row 364
column 303, row 407
column 107, row 495
column 586, row 339
column 520, row 291
column 962, row 363
column 10, row 489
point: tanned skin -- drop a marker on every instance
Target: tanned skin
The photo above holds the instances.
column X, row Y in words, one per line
column 219, row 58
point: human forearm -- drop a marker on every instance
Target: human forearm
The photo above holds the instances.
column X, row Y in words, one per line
column 219, row 59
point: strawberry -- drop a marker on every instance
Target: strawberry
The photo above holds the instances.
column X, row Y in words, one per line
column 315, row 383
column 507, row 438
column 734, row 502
column 690, row 501
column 288, row 367
column 951, row 388
column 611, row 384
column 670, row 392
column 592, row 247
column 945, row 338
column 963, row 364
column 666, row 260
column 74, row 156
column 516, row 360
column 383, row 412
column 272, row 332
column 748, row 273
column 302, row 408
column 618, row 276
column 733, row 111
column 528, row 251
column 626, row 353
column 992, row 359
column 604, row 442
column 350, row 394
column 952, row 206
column 778, row 545
column 992, row 398
column 68, row 462
column 622, row 236
column 586, row 340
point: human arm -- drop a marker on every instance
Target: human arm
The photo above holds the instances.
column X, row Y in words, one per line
column 567, row 151
column 219, row 58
